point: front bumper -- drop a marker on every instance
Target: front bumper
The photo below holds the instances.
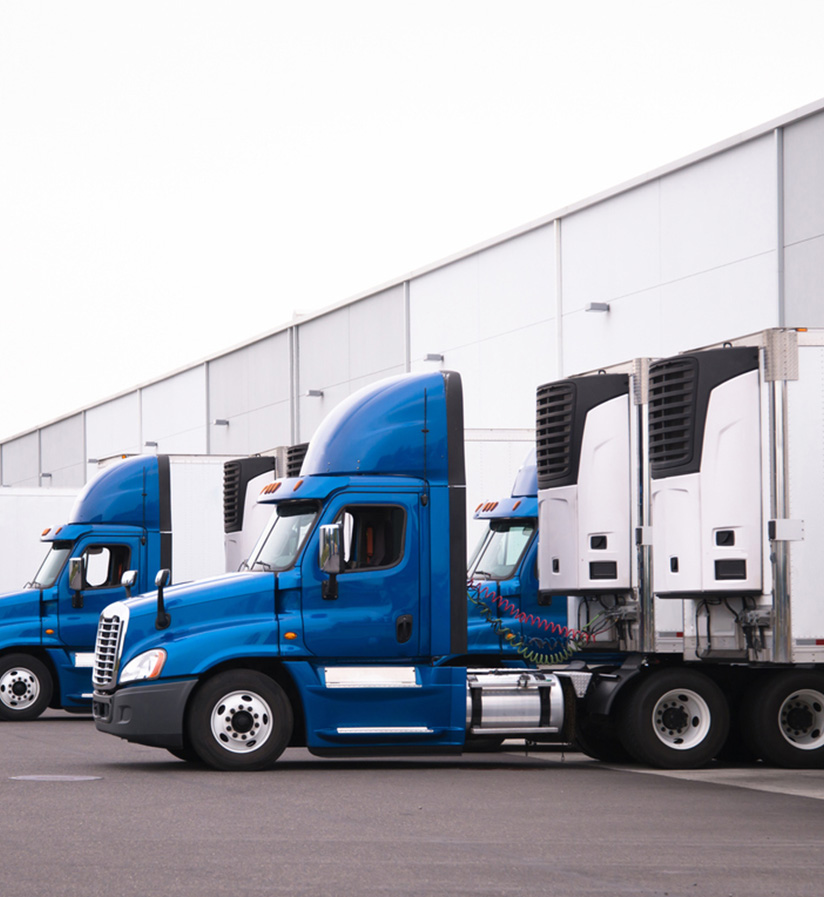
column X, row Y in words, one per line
column 146, row 714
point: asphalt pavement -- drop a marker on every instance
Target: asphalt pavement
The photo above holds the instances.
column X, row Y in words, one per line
column 87, row 815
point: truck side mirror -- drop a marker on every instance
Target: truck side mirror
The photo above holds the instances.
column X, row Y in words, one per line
column 163, row 619
column 128, row 581
column 330, row 558
column 77, row 581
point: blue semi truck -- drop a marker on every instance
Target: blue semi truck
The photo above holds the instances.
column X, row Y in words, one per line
column 348, row 631
column 121, row 521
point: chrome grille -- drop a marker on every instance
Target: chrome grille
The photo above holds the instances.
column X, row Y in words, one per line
column 108, row 647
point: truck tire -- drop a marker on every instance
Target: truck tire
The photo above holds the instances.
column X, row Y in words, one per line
column 600, row 741
column 25, row 687
column 675, row 719
column 785, row 720
column 240, row 720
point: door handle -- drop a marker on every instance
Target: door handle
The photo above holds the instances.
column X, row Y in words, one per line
column 403, row 628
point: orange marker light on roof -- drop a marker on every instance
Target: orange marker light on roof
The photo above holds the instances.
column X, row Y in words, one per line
column 45, row 531
column 269, row 488
column 297, row 485
column 515, row 506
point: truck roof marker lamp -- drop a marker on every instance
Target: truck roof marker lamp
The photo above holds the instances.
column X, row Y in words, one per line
column 297, row 486
column 163, row 619
column 269, row 488
column 45, row 532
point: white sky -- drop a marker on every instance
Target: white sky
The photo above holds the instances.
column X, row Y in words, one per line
column 178, row 176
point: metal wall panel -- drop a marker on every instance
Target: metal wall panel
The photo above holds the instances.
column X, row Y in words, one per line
column 804, row 222
column 174, row 413
column 804, row 283
column 346, row 348
column 493, row 318
column 612, row 249
column 251, row 389
column 62, row 452
column 21, row 461
column 113, row 428
column 721, row 210
column 377, row 336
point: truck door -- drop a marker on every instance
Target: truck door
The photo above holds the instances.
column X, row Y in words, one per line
column 104, row 563
column 375, row 609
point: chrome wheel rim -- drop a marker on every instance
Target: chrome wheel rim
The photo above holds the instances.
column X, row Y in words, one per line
column 241, row 722
column 19, row 688
column 801, row 719
column 681, row 719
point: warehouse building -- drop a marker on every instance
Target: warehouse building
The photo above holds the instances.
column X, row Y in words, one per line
column 723, row 243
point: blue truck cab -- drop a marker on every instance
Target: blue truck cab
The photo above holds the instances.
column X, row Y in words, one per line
column 505, row 618
column 343, row 634
column 119, row 522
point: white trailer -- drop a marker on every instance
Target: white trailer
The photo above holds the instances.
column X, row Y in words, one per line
column 24, row 514
column 680, row 504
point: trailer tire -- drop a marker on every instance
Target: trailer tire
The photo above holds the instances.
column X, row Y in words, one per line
column 240, row 720
column 600, row 741
column 785, row 720
column 675, row 719
column 25, row 687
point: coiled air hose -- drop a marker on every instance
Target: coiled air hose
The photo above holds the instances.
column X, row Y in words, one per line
column 558, row 647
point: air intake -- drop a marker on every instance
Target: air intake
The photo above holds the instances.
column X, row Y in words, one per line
column 294, row 458
column 672, row 408
column 553, row 436
column 236, row 477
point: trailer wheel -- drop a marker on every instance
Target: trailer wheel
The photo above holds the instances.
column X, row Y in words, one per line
column 25, row 687
column 240, row 720
column 785, row 720
column 675, row 719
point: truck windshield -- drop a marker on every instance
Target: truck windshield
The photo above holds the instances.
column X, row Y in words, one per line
column 501, row 548
column 51, row 566
column 282, row 539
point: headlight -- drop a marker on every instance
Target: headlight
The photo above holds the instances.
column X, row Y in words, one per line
column 145, row 666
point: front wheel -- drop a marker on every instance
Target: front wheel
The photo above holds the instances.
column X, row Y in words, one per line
column 785, row 720
column 240, row 720
column 675, row 719
column 25, row 687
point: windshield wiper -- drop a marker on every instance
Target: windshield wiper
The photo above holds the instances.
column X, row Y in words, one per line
column 263, row 565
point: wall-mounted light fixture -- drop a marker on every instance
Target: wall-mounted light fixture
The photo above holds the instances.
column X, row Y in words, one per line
column 220, row 422
column 150, row 444
column 433, row 356
column 315, row 393
column 45, row 476
column 597, row 306
column 92, row 460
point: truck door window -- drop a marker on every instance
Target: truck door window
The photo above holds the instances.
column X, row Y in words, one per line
column 105, row 565
column 373, row 536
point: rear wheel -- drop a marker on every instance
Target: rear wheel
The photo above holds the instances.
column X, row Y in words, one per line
column 240, row 720
column 675, row 719
column 785, row 720
column 25, row 687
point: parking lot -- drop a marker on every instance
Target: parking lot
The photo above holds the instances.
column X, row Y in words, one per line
column 87, row 814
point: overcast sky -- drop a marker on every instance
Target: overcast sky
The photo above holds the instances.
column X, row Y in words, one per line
column 177, row 177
